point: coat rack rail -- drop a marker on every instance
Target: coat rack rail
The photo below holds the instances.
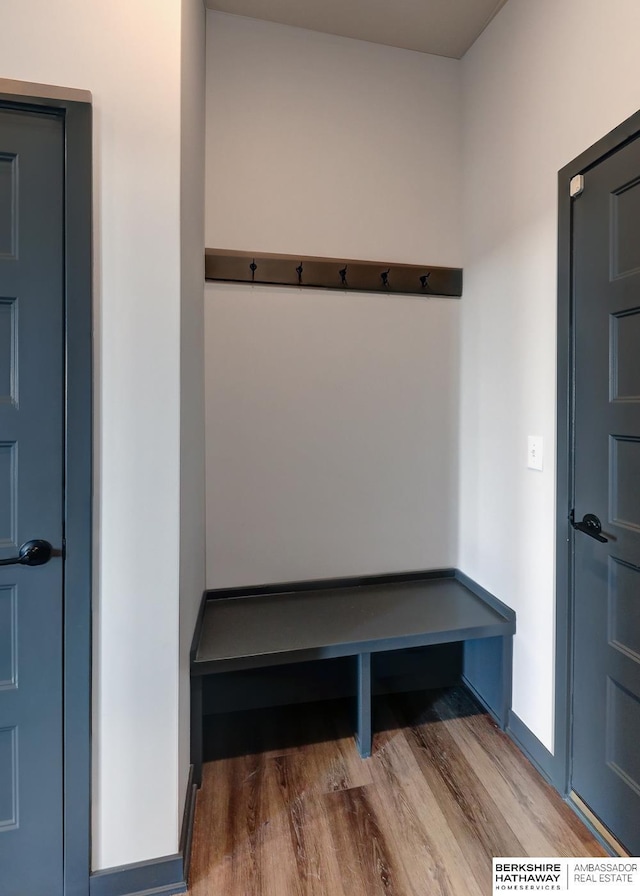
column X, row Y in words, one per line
column 331, row 273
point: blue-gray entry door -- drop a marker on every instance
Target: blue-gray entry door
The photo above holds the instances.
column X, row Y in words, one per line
column 606, row 625
column 31, row 501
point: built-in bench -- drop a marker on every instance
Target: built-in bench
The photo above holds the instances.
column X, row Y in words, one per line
column 254, row 628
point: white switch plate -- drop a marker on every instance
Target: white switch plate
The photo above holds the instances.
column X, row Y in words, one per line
column 534, row 452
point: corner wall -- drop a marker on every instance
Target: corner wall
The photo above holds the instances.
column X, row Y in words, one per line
column 192, row 534
column 332, row 433
column 541, row 84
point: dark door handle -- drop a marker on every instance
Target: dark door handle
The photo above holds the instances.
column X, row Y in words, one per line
column 32, row 553
column 590, row 525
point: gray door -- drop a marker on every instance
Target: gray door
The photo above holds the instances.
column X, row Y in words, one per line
column 31, row 496
column 606, row 690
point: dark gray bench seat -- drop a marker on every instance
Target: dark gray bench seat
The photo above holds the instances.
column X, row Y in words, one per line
column 241, row 629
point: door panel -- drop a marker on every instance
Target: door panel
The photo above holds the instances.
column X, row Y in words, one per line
column 606, row 692
column 8, row 196
column 31, row 501
column 8, row 346
column 625, row 357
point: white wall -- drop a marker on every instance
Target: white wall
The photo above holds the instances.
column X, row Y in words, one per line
column 192, row 535
column 128, row 55
column 544, row 82
column 331, row 418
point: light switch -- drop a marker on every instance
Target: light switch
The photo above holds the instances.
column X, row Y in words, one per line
column 534, row 452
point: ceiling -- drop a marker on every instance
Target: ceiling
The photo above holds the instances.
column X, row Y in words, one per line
column 441, row 27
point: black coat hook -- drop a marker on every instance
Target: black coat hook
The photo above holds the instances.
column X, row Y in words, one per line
column 253, row 267
column 343, row 275
column 424, row 278
column 384, row 276
column 299, row 270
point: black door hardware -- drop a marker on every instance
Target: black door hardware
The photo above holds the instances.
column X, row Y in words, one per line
column 590, row 525
column 32, row 553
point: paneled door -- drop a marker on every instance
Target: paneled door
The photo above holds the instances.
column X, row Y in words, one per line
column 31, row 502
column 606, row 574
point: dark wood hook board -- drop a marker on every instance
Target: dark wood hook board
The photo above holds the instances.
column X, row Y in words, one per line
column 331, row 273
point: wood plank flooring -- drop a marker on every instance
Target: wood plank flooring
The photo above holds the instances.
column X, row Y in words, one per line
column 444, row 792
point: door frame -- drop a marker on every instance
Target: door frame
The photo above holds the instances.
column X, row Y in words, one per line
column 73, row 107
column 613, row 141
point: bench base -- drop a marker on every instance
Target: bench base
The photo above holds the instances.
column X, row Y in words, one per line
column 248, row 631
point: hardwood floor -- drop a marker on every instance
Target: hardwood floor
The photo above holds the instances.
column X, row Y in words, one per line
column 444, row 792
